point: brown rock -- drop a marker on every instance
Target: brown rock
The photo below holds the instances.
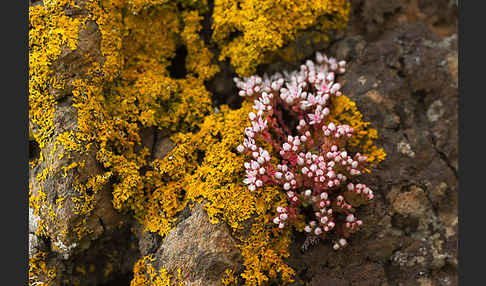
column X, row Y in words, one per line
column 162, row 147
column 452, row 61
column 203, row 251
column 414, row 202
column 403, row 82
column 60, row 183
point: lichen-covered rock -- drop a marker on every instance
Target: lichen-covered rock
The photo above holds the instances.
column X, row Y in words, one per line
column 70, row 216
column 111, row 81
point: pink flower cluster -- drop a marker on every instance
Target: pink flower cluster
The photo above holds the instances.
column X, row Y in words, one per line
column 290, row 114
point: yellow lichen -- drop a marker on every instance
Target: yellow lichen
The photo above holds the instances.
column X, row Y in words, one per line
column 108, row 269
column 144, row 274
column 215, row 178
column 248, row 30
column 229, row 278
column 39, row 271
column 345, row 111
column 50, row 31
column 80, row 269
column 198, row 60
column 131, row 90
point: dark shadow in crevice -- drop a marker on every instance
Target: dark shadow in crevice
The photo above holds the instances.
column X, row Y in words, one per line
column 207, row 32
column 177, row 68
column 121, row 279
column 420, row 109
column 200, row 156
column 112, row 248
column 223, row 88
column 34, row 150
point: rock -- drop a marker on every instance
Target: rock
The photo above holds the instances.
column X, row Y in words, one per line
column 452, row 61
column 81, row 228
column 435, row 111
column 148, row 242
column 413, row 203
column 348, row 48
column 405, row 149
column 391, row 121
column 33, row 221
column 35, row 244
column 66, row 225
column 163, row 145
column 403, row 81
column 326, row 278
column 369, row 274
column 373, row 17
column 437, row 193
column 58, row 209
column 403, row 74
column 203, row 251
column 74, row 64
column 381, row 249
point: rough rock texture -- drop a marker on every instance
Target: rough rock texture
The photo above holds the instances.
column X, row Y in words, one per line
column 405, row 83
column 403, row 74
column 96, row 256
column 372, row 17
column 203, row 251
column 59, row 184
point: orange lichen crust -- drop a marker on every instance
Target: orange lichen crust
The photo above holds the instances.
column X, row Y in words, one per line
column 39, row 272
column 247, row 31
column 50, row 30
column 204, row 167
column 229, row 278
column 144, row 274
column 131, row 89
column 344, row 111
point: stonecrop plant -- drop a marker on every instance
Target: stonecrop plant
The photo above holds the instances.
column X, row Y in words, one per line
column 293, row 143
